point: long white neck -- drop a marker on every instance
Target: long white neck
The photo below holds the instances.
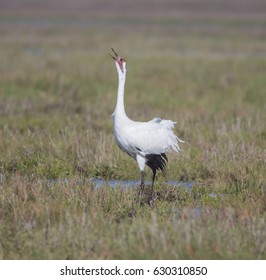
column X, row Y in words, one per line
column 120, row 107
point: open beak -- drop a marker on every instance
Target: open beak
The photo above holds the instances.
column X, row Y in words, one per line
column 115, row 55
column 117, row 58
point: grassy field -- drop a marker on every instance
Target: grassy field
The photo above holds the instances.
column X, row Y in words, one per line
column 202, row 66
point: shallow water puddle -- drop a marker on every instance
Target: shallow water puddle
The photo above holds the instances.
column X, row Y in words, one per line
column 132, row 184
column 99, row 183
column 125, row 184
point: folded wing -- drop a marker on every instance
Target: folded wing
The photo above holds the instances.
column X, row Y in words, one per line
column 154, row 137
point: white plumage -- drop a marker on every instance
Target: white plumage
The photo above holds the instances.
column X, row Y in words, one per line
column 146, row 142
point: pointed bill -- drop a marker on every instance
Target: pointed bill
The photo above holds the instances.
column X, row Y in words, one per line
column 114, row 55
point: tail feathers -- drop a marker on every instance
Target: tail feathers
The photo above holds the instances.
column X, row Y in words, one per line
column 173, row 142
column 168, row 124
column 165, row 123
column 156, row 162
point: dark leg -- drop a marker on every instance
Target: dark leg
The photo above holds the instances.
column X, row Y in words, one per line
column 142, row 183
column 153, row 178
column 140, row 191
column 138, row 195
column 153, row 197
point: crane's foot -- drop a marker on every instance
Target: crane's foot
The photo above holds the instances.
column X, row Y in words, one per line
column 153, row 199
column 141, row 188
column 139, row 195
column 140, row 191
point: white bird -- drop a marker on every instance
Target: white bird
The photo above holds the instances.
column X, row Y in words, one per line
column 146, row 142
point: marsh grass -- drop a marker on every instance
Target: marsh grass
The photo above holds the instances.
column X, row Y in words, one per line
column 57, row 94
column 71, row 221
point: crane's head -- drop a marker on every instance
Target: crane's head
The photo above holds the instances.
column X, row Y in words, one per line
column 120, row 62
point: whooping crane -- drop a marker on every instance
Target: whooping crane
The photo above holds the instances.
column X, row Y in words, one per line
column 146, row 142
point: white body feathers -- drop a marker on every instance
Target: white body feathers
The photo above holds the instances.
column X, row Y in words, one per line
column 141, row 139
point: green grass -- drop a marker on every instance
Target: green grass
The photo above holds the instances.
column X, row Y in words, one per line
column 57, row 93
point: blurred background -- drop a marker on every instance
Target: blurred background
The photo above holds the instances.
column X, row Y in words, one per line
column 136, row 25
